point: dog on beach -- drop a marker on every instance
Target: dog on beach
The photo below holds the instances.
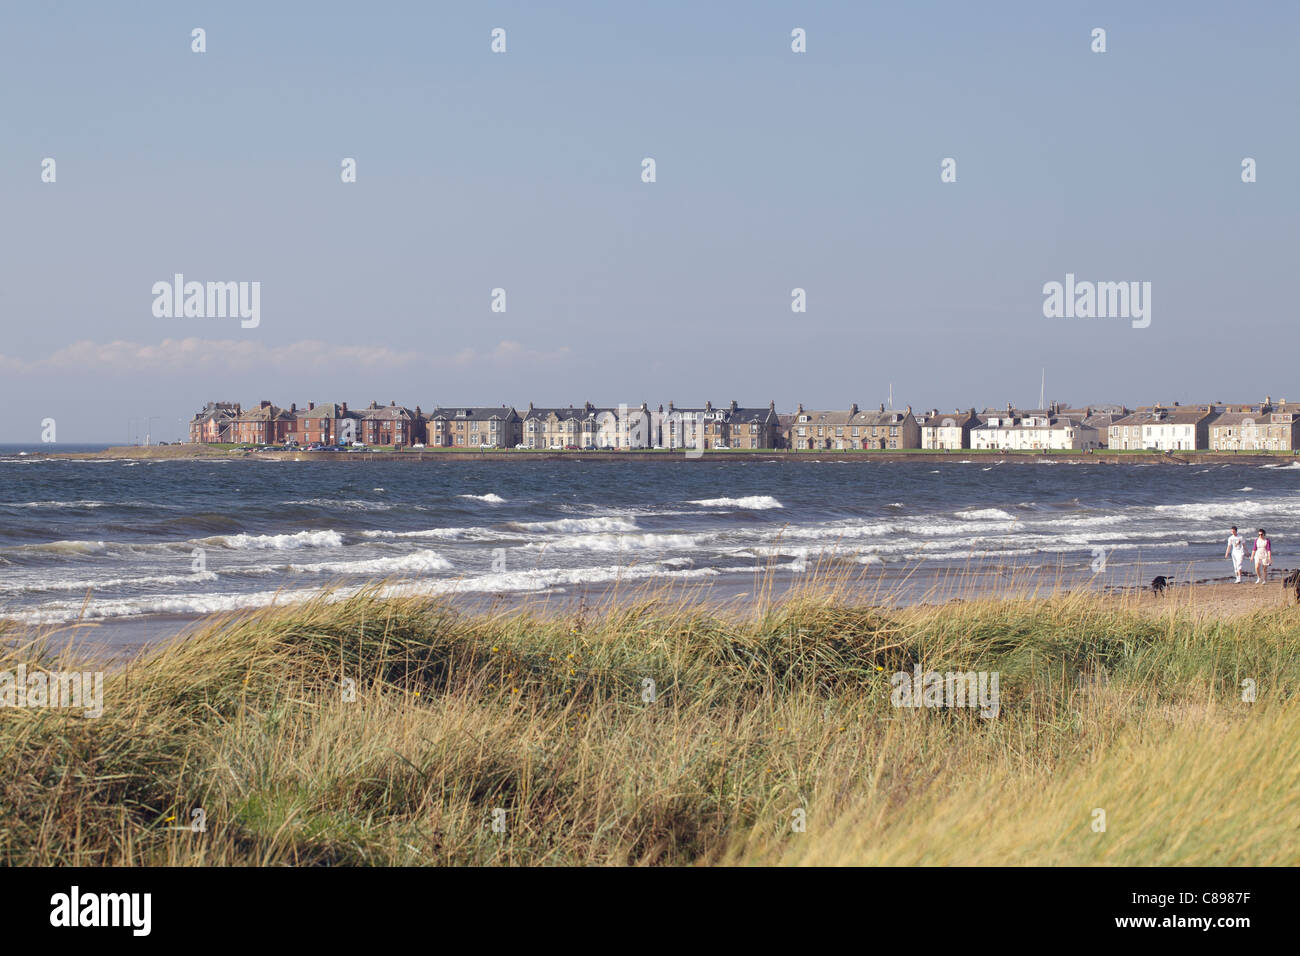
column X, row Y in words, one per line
column 1292, row 583
column 1159, row 583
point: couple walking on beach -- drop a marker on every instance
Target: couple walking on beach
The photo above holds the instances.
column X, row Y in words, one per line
column 1263, row 554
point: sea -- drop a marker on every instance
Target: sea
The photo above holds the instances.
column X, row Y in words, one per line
column 135, row 548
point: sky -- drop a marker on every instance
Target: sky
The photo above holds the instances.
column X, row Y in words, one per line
column 522, row 171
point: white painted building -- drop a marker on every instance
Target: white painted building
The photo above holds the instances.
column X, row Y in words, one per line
column 1162, row 428
column 1033, row 431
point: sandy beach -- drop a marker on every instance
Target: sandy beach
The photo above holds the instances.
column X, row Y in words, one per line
column 1222, row 599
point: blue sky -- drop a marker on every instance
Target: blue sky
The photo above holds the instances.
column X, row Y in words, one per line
column 521, row 171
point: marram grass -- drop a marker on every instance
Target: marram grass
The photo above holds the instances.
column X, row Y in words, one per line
column 543, row 723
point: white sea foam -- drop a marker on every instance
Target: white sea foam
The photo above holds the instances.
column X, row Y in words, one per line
column 539, row 579
column 442, row 534
column 343, row 504
column 752, row 502
column 986, row 514
column 56, row 612
column 619, row 542
column 275, row 542
column 47, row 583
column 490, row 498
column 415, row 561
column 580, row 524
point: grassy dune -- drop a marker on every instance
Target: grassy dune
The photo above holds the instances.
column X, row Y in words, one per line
column 757, row 714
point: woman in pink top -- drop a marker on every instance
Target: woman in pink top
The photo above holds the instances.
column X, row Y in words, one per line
column 1263, row 557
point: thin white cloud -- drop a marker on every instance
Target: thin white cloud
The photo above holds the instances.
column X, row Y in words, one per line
column 182, row 356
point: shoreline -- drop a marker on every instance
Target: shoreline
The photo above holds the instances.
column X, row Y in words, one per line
column 767, row 456
column 118, row 640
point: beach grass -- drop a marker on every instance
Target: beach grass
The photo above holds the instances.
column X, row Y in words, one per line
column 389, row 730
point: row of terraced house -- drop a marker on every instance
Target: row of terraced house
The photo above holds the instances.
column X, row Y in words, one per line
column 583, row 426
column 1265, row 426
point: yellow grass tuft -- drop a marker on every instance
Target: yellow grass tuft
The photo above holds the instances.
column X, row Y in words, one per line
column 761, row 712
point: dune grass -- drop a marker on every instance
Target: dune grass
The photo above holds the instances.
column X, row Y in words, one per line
column 760, row 718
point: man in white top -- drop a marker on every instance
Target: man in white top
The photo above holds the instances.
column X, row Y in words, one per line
column 1237, row 551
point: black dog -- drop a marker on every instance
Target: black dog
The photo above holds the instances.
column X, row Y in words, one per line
column 1159, row 583
column 1292, row 583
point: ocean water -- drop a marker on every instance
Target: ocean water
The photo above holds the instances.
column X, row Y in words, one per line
column 125, row 541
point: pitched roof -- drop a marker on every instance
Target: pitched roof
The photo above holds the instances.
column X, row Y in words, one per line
column 957, row 419
column 264, row 413
column 391, row 412
column 754, row 416
column 474, row 413
column 221, row 410
column 325, row 410
column 1038, row 418
column 1164, row 415
column 881, row 416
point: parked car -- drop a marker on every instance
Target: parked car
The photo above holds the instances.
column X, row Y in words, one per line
column 570, row 447
column 520, row 447
column 722, row 448
column 358, row 444
column 418, row 445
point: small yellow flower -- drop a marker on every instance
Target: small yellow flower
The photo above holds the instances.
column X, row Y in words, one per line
column 495, row 649
column 169, row 820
